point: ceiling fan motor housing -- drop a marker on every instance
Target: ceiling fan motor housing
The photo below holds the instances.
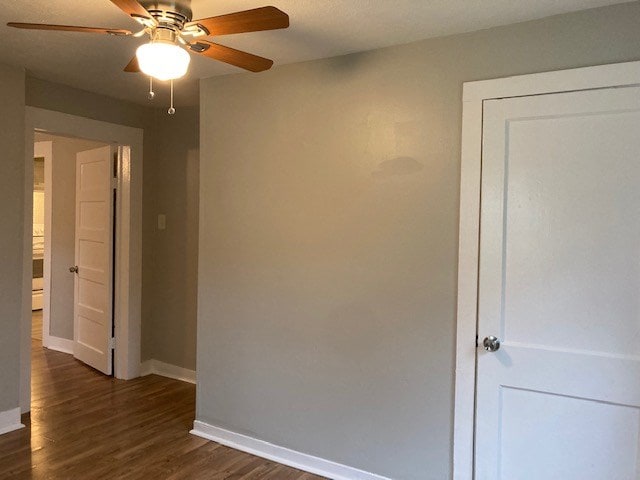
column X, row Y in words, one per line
column 170, row 14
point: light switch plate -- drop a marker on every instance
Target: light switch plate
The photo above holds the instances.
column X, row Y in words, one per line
column 162, row 221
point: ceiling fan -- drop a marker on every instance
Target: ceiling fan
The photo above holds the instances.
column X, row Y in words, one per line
column 172, row 31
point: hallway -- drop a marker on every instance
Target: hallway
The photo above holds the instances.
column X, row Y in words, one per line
column 87, row 426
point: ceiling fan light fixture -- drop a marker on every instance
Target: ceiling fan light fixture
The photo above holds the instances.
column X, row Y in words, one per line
column 170, row 27
column 163, row 60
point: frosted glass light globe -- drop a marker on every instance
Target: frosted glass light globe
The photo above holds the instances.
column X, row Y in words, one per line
column 163, row 60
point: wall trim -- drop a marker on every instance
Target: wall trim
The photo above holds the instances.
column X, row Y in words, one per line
column 10, row 421
column 285, row 456
column 584, row 78
column 58, row 344
column 474, row 95
column 163, row 369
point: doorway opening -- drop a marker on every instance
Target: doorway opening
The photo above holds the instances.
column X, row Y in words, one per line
column 125, row 262
column 58, row 246
column 41, row 156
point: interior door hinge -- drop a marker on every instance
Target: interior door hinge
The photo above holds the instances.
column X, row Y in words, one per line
column 112, row 343
column 114, row 183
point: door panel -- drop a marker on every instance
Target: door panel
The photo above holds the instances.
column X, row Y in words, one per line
column 523, row 426
column 94, row 258
column 560, row 286
column 572, row 226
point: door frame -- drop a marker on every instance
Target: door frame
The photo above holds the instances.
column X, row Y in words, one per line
column 128, row 252
column 473, row 97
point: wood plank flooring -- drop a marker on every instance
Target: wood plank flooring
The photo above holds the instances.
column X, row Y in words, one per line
column 86, row 426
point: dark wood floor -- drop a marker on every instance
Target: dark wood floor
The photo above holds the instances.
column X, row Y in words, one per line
column 86, row 426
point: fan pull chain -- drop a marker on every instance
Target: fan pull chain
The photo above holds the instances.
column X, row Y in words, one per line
column 171, row 109
column 152, row 94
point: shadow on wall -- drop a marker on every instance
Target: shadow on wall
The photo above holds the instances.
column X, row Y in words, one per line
column 398, row 166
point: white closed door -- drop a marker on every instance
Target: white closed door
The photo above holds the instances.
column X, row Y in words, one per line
column 94, row 258
column 559, row 286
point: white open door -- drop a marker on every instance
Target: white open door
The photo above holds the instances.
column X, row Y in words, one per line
column 94, row 258
column 560, row 288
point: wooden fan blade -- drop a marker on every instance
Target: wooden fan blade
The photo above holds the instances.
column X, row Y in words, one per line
column 264, row 18
column 132, row 8
column 132, row 66
column 229, row 55
column 69, row 28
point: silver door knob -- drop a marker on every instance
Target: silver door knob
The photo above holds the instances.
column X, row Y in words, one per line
column 491, row 344
column 73, row 269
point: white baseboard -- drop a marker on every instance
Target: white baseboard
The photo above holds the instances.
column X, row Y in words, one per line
column 285, row 456
column 10, row 421
column 167, row 370
column 58, row 344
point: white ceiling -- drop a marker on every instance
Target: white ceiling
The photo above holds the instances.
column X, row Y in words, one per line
column 319, row 29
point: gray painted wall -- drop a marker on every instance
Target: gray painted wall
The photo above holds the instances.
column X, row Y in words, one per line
column 329, row 221
column 12, row 184
column 170, row 275
column 63, row 214
column 61, row 98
